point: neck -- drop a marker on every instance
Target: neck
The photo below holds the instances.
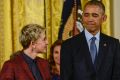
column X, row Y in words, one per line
column 94, row 33
column 30, row 53
column 58, row 68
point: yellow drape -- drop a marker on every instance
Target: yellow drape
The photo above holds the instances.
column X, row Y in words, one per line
column 5, row 31
column 17, row 13
column 53, row 17
column 14, row 14
column 106, row 27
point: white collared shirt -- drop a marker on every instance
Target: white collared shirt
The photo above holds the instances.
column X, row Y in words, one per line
column 89, row 36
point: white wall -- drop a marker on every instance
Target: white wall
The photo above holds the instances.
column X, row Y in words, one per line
column 116, row 18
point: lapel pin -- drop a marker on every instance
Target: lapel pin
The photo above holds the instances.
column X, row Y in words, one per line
column 105, row 44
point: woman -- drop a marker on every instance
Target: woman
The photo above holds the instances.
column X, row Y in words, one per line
column 54, row 59
column 25, row 64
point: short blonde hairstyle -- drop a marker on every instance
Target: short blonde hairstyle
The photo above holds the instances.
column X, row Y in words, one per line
column 30, row 32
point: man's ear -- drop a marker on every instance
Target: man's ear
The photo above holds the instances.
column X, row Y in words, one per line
column 104, row 18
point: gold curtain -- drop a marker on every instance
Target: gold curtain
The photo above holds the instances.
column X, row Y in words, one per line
column 5, row 31
column 106, row 27
column 14, row 14
column 53, row 17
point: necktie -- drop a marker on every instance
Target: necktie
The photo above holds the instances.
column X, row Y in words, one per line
column 93, row 49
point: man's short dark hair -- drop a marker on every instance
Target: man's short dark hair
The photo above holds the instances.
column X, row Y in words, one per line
column 97, row 3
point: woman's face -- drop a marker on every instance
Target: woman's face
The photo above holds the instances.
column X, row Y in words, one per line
column 40, row 45
column 56, row 54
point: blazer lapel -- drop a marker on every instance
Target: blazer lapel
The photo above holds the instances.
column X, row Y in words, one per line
column 24, row 65
column 103, row 47
column 85, row 50
column 41, row 68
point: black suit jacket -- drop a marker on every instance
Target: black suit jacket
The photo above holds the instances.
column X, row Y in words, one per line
column 76, row 62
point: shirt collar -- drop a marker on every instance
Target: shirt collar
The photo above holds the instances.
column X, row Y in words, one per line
column 29, row 60
column 89, row 35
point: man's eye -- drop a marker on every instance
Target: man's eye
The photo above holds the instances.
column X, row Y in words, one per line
column 95, row 15
column 86, row 14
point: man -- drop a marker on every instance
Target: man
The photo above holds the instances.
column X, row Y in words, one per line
column 83, row 58
column 24, row 64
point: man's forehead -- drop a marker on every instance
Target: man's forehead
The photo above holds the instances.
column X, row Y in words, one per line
column 92, row 9
column 92, row 6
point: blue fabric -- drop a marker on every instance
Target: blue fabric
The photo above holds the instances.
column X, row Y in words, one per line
column 56, row 77
column 33, row 67
column 93, row 49
column 89, row 36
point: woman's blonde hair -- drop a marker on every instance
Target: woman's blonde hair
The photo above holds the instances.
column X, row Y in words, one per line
column 30, row 32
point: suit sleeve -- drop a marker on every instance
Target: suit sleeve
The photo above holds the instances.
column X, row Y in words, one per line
column 7, row 72
column 116, row 66
column 66, row 62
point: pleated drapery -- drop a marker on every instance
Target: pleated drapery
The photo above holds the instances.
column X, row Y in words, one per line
column 14, row 14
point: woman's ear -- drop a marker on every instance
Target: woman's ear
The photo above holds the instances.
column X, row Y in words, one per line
column 32, row 44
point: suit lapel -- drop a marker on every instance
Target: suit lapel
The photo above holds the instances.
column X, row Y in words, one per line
column 41, row 68
column 85, row 51
column 103, row 47
column 25, row 67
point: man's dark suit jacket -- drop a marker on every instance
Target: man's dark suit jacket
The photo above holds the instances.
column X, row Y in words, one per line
column 76, row 62
column 17, row 69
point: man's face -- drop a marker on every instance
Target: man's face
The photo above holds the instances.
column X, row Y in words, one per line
column 41, row 44
column 92, row 18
